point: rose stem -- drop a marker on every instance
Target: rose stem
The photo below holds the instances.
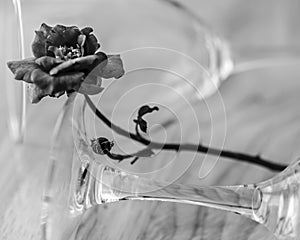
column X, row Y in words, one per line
column 241, row 157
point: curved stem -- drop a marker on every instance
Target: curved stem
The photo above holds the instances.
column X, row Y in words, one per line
column 274, row 203
column 242, row 157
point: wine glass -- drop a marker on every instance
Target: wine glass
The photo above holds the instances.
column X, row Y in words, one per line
column 198, row 56
column 209, row 54
column 188, row 43
column 175, row 49
column 189, row 47
column 79, row 179
column 16, row 94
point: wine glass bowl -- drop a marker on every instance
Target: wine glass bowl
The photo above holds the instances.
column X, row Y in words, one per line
column 79, row 180
column 140, row 38
column 66, row 197
column 156, row 33
column 280, row 202
column 203, row 59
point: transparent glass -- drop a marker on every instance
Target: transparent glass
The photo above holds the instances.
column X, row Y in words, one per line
column 16, row 92
column 187, row 48
column 193, row 58
column 79, row 179
column 162, row 37
column 156, row 34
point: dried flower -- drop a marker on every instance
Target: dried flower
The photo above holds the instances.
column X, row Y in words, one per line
column 101, row 145
column 143, row 111
column 65, row 60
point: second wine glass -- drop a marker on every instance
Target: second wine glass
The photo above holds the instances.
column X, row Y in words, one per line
column 79, row 180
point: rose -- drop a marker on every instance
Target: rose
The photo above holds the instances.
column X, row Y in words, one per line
column 65, row 60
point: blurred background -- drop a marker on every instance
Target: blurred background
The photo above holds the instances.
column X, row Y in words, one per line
column 261, row 110
column 257, row 28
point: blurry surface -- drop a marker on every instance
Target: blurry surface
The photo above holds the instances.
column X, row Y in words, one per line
column 255, row 28
column 262, row 112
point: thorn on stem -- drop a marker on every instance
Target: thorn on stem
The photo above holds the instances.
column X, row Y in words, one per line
column 134, row 160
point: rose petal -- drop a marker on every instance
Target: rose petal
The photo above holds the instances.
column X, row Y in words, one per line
column 75, row 64
column 113, row 67
column 14, row 66
column 90, row 89
column 23, row 68
column 91, row 84
column 35, row 93
column 81, row 41
column 46, row 85
column 55, row 52
column 87, row 30
column 54, row 84
column 70, row 36
column 68, row 81
column 61, row 35
column 42, row 79
column 91, row 45
column 101, row 60
column 48, row 63
column 45, row 29
column 85, row 64
column 38, row 46
column 56, row 37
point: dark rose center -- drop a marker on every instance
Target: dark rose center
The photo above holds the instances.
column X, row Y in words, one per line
column 69, row 52
column 66, row 53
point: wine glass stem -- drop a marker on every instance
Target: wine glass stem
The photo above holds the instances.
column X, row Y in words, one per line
column 222, row 198
column 109, row 185
column 265, row 59
column 19, row 108
column 273, row 203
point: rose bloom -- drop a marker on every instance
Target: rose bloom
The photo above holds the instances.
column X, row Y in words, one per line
column 65, row 60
